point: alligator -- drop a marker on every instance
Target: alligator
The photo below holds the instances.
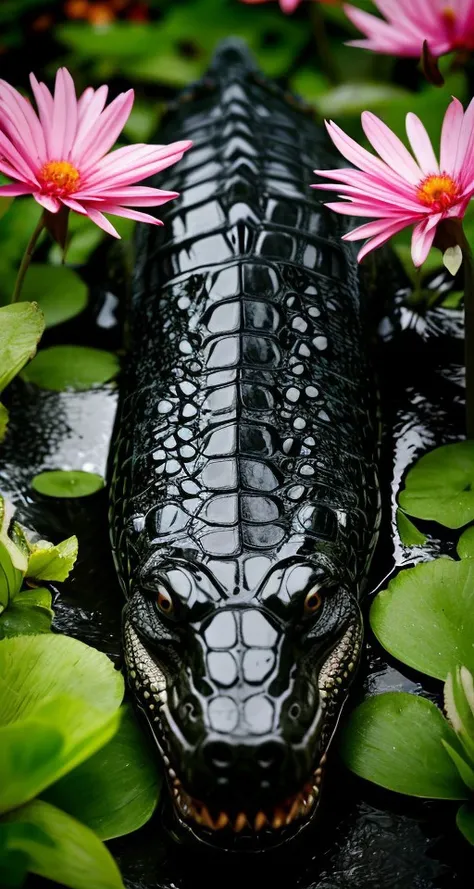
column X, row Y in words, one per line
column 244, row 471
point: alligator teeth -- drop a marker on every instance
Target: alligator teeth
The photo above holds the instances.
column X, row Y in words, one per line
column 293, row 811
column 222, row 821
column 240, row 822
column 279, row 819
column 206, row 818
column 260, row 821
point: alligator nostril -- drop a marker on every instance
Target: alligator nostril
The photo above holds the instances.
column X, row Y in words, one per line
column 218, row 755
column 270, row 755
column 294, row 712
column 189, row 712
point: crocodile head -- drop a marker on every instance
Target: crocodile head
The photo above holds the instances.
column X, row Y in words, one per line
column 242, row 686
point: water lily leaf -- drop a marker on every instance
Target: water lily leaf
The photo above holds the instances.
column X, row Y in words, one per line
column 440, row 487
column 61, row 734
column 67, row 483
column 459, row 707
column 425, row 617
column 58, row 290
column 409, row 533
column 3, row 421
column 21, row 328
column 394, row 740
column 71, row 367
column 116, row 791
column 465, row 821
column 14, row 862
column 465, row 547
column 34, row 669
column 49, row 562
column 29, row 612
column 67, row 853
column 12, row 536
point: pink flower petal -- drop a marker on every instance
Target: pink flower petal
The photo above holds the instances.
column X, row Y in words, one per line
column 102, row 222
column 421, row 145
column 23, row 170
column 390, row 148
column 64, row 123
column 359, row 156
column 24, row 118
column 90, row 106
column 14, row 190
column 103, row 133
column 49, row 203
column 375, row 228
column 421, row 242
column 116, row 210
column 378, row 240
column 138, row 196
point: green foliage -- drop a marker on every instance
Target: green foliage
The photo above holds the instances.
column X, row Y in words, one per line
column 49, row 562
column 465, row 547
column 67, row 483
column 425, row 617
column 440, row 486
column 395, row 740
column 58, row 290
column 21, row 327
column 71, row 367
column 409, row 534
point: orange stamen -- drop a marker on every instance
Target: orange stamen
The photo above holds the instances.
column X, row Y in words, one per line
column 439, row 192
column 59, row 178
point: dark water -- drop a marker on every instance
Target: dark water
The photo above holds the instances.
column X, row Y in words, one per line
column 366, row 838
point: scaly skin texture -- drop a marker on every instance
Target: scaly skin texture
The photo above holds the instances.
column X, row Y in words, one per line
column 245, row 499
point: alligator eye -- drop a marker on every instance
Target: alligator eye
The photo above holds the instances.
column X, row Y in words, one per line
column 164, row 601
column 313, row 602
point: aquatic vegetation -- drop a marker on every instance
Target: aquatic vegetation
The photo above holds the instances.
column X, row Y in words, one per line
column 425, row 619
column 67, row 483
column 21, row 327
column 69, row 751
column 60, row 156
column 408, row 23
column 399, row 190
column 71, row 367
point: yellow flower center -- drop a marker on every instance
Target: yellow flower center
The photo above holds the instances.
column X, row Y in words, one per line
column 438, row 192
column 59, row 178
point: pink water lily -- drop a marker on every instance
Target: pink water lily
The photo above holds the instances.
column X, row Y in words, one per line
column 60, row 155
column 446, row 25
column 398, row 189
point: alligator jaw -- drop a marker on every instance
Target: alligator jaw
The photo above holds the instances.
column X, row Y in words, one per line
column 275, row 823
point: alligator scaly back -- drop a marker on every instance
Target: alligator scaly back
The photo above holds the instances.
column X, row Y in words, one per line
column 244, row 472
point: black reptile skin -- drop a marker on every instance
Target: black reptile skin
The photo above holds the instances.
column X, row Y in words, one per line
column 245, row 461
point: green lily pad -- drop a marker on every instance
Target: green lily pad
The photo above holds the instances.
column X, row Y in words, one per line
column 115, row 791
column 49, row 562
column 409, row 534
column 3, row 421
column 465, row 547
column 67, row 483
column 465, row 821
column 58, row 290
column 34, row 669
column 425, row 617
column 71, row 367
column 59, row 848
column 28, row 613
column 21, row 328
column 440, row 487
column 395, row 741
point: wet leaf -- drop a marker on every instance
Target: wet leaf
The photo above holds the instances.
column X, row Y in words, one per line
column 71, row 367
column 29, row 612
column 34, row 669
column 409, row 533
column 395, row 740
column 49, row 562
column 465, row 547
column 58, row 290
column 11, row 578
column 116, row 791
column 21, row 327
column 3, row 421
column 64, row 851
column 465, row 821
column 425, row 617
column 67, row 483
column 440, row 487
